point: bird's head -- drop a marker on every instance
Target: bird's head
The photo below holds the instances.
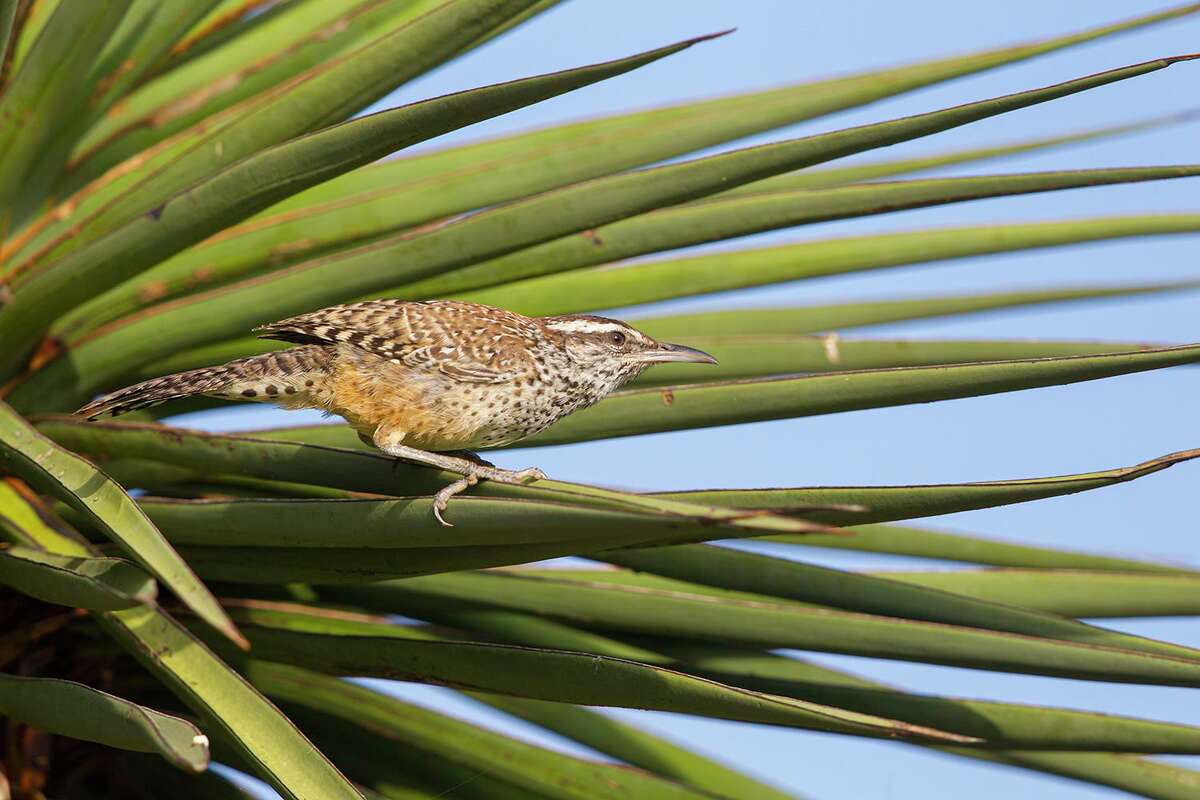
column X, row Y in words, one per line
column 613, row 347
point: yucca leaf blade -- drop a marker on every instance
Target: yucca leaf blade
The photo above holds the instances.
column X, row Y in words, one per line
column 759, row 624
column 891, row 503
column 357, row 470
column 651, row 410
column 495, row 232
column 632, row 745
column 407, row 734
column 652, row 281
column 800, row 320
column 44, row 94
column 726, row 218
column 758, row 574
column 370, row 647
column 91, row 493
column 1071, row 593
column 1038, row 726
column 907, row 540
column 97, row 584
column 71, row 709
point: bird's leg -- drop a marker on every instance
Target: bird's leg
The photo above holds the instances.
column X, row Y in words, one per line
column 473, row 470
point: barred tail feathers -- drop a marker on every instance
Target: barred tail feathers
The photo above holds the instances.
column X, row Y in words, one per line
column 286, row 376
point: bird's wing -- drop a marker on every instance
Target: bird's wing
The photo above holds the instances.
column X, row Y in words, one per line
column 464, row 341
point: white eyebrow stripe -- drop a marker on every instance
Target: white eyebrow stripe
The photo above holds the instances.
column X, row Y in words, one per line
column 585, row 326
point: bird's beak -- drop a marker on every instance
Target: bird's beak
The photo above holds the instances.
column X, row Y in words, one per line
column 666, row 352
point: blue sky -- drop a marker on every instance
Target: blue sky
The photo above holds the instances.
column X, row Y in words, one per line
column 1044, row 432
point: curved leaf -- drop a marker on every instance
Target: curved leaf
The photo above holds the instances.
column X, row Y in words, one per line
column 94, row 495
column 326, row 94
column 666, row 229
column 905, row 540
column 632, row 745
column 873, row 594
column 638, row 411
column 261, row 179
column 752, row 356
column 406, row 734
column 260, row 735
column 783, row 624
column 359, row 471
column 889, row 503
column 1004, row 724
column 81, row 712
column 98, row 584
column 1072, row 593
column 722, row 218
column 827, row 177
column 302, row 287
column 809, row 319
column 366, row 647
column 419, row 189
column 1039, row 729
column 781, row 326
column 45, row 93
column 300, row 36
column 651, row 281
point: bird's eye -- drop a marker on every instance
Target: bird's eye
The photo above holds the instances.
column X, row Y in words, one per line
column 617, row 338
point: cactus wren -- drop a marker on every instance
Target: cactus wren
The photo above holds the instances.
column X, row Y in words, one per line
column 419, row 380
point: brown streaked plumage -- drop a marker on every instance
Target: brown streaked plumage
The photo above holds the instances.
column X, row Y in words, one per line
column 418, row 378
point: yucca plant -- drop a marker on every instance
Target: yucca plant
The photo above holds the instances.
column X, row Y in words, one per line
column 177, row 171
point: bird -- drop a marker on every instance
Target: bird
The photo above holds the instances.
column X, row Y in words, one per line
column 427, row 381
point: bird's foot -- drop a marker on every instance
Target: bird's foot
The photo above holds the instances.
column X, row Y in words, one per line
column 515, row 477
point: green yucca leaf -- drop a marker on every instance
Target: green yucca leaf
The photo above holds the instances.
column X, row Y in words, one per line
column 763, row 356
column 256, row 182
column 339, row 541
column 145, row 33
column 774, row 578
column 838, row 316
column 263, row 737
column 763, row 341
column 1005, row 724
column 1072, row 593
column 782, row 624
column 646, row 282
column 80, row 712
column 419, row 189
column 889, row 503
column 299, row 37
column 105, row 505
column 30, row 27
column 1037, row 726
column 228, row 20
column 632, row 745
column 8, row 15
column 923, row 543
column 829, row 177
column 371, row 648
column 46, row 92
column 1141, row 776
column 98, row 584
column 360, row 471
column 489, row 234
column 407, row 734
column 721, row 218
column 324, row 95
column 651, row 410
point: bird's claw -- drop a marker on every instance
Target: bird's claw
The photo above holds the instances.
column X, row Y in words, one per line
column 442, row 498
column 529, row 475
